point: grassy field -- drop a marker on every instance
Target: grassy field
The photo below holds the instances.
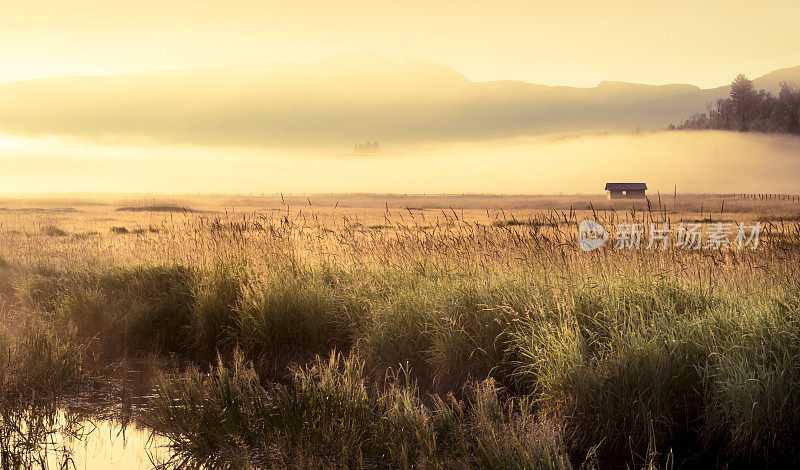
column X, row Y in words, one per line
column 411, row 331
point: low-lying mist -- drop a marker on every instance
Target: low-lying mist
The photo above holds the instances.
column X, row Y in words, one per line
column 692, row 161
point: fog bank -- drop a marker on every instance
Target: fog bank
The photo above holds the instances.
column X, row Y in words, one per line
column 692, row 161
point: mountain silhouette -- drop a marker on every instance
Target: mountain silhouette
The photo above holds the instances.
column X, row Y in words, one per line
column 343, row 99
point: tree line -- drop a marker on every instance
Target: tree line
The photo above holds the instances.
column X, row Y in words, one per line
column 749, row 110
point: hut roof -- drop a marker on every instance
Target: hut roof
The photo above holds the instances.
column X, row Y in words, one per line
column 625, row 186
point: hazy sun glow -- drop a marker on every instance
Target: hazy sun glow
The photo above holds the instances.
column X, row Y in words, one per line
column 432, row 81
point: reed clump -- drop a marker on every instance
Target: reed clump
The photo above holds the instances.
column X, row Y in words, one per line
column 328, row 415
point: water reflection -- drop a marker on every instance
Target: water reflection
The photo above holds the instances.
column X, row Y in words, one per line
column 49, row 436
column 106, row 442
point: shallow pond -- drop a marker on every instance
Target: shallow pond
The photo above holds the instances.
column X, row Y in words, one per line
column 94, row 429
column 63, row 440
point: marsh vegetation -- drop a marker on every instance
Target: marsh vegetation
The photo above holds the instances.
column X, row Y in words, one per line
column 429, row 332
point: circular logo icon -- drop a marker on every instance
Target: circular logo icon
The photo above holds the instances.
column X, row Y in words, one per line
column 591, row 235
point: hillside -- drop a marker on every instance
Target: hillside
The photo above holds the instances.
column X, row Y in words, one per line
column 337, row 101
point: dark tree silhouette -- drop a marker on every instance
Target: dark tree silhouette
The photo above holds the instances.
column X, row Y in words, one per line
column 751, row 110
column 744, row 99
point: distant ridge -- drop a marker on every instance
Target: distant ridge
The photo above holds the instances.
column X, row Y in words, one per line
column 337, row 101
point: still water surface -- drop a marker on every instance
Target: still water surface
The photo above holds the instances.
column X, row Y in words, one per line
column 98, row 428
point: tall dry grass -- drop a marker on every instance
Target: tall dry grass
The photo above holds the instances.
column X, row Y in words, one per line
column 435, row 340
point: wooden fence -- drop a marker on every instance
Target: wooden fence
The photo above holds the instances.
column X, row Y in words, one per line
column 767, row 196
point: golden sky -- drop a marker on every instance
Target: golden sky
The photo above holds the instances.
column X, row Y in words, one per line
column 257, row 128
column 559, row 43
